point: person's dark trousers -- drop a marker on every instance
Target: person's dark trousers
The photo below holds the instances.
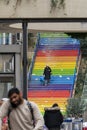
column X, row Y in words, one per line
column 54, row 129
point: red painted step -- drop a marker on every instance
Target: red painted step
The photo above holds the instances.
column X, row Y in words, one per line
column 49, row 93
column 58, row 53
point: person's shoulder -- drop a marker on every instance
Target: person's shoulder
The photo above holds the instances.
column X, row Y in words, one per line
column 7, row 102
column 33, row 103
column 5, row 105
column 4, row 99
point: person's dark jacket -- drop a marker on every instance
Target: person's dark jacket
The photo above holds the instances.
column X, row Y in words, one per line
column 47, row 73
column 53, row 117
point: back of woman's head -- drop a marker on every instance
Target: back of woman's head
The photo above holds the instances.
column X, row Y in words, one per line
column 55, row 105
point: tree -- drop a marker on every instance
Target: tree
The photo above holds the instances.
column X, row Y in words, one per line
column 82, row 37
column 75, row 107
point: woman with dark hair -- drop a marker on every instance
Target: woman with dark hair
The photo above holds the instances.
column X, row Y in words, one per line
column 47, row 74
column 53, row 117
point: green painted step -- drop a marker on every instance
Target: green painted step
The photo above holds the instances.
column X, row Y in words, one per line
column 55, row 72
column 44, row 35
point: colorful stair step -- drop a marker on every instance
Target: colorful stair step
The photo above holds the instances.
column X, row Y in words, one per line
column 58, row 53
column 57, row 59
column 50, row 87
column 59, row 47
column 62, row 72
column 50, row 93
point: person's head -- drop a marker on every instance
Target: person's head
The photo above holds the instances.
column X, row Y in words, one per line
column 47, row 66
column 55, row 105
column 15, row 97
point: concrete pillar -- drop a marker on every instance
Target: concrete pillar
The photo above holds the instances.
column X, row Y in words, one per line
column 21, row 36
column 4, row 36
column 10, row 38
column 18, row 71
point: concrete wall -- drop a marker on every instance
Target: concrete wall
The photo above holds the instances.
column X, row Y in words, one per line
column 42, row 8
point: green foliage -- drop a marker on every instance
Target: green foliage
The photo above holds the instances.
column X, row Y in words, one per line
column 78, row 35
column 75, row 107
column 79, row 84
column 31, row 40
column 81, row 77
column 57, row 3
column 54, row 3
column 29, row 62
column 61, row 4
column 82, row 37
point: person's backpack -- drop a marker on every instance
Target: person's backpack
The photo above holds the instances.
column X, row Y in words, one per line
column 30, row 108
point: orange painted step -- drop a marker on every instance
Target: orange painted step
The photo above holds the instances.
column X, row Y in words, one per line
column 49, row 93
column 56, row 59
column 48, row 101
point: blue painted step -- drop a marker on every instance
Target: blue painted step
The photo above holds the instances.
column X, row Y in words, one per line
column 57, row 41
column 58, row 47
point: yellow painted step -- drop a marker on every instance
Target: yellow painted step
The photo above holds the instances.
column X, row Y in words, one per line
column 48, row 102
column 55, row 65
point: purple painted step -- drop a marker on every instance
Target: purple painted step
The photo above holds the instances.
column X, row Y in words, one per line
column 51, row 87
column 41, row 47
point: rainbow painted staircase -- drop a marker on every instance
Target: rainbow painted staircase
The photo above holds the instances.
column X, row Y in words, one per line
column 61, row 53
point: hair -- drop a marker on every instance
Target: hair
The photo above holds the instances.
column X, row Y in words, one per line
column 12, row 91
column 55, row 105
